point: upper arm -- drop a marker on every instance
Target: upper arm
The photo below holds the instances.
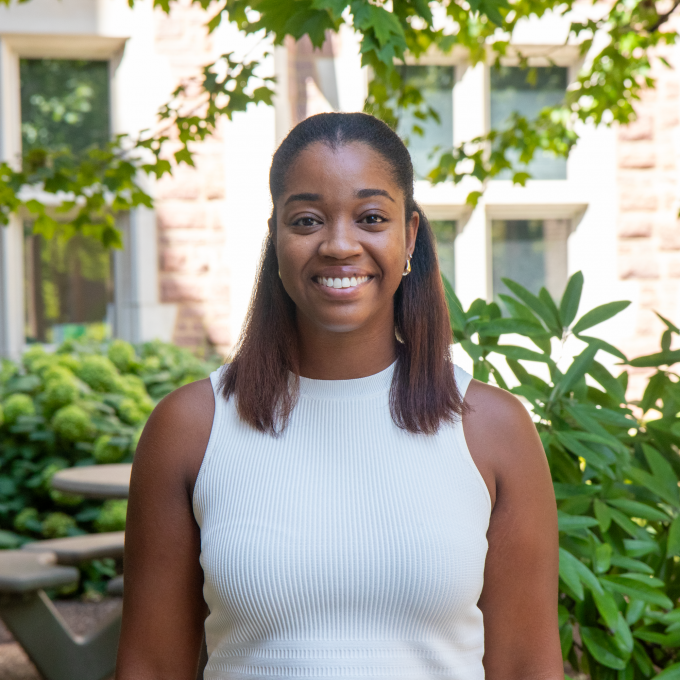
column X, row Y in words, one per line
column 163, row 606
column 520, row 593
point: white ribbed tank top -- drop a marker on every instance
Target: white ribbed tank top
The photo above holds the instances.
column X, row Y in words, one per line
column 344, row 548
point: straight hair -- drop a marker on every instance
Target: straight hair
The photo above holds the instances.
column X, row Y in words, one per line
column 264, row 373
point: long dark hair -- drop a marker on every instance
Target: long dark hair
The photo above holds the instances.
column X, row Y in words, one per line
column 264, row 373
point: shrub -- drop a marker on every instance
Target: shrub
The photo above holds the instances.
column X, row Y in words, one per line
column 615, row 468
column 84, row 404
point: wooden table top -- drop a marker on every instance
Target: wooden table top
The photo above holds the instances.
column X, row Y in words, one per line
column 95, row 481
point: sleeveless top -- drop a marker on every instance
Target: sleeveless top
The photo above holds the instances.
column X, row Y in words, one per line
column 343, row 548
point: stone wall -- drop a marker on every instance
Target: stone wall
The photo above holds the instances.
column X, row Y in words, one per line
column 190, row 204
column 648, row 225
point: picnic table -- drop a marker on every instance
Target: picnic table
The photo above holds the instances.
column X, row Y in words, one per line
column 95, row 481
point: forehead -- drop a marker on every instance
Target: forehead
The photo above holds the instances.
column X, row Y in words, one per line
column 345, row 168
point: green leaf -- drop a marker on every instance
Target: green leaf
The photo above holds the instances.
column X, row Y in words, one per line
column 641, row 510
column 592, row 457
column 569, row 523
column 604, row 346
column 635, row 589
column 659, row 487
column 609, row 383
column 579, row 367
column 603, row 514
column 571, row 298
column 599, row 315
column 603, row 558
column 601, row 646
column 673, row 546
column 631, row 564
column 519, row 353
column 569, row 573
column 508, row 325
column 458, row 318
column 606, row 605
column 670, row 325
column 536, row 305
column 655, row 360
column 669, row 673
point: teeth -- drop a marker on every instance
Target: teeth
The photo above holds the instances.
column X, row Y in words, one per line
column 345, row 282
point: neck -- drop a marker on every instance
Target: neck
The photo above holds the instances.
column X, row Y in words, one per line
column 328, row 355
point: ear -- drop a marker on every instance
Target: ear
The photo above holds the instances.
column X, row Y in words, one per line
column 412, row 231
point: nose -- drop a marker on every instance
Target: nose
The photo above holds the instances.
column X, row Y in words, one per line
column 340, row 241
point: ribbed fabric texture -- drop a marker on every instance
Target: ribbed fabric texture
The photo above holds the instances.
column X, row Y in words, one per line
column 344, row 548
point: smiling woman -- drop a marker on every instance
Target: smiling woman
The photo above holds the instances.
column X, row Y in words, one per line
column 340, row 500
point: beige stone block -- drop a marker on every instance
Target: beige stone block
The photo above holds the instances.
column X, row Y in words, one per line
column 669, row 236
column 637, row 196
column 184, row 183
column 181, row 215
column 674, row 267
column 637, row 262
column 182, row 288
column 668, row 117
column 642, row 128
column 219, row 334
column 636, row 155
column 632, row 225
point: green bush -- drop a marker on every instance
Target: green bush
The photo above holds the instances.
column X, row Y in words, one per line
column 615, row 467
column 83, row 404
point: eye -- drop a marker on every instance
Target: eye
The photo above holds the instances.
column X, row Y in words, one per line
column 306, row 221
column 372, row 219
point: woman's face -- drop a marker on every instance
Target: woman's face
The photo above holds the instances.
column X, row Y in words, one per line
column 342, row 238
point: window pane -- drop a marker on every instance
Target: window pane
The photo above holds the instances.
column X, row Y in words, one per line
column 445, row 233
column 527, row 91
column 68, row 286
column 531, row 252
column 435, row 83
column 64, row 103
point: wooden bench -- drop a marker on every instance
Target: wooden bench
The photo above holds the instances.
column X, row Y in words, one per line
column 36, row 624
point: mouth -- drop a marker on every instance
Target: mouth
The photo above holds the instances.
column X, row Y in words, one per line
column 342, row 282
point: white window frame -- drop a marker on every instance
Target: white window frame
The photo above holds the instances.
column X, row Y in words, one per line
column 137, row 315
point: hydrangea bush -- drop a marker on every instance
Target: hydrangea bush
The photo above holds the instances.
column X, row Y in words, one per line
column 84, row 404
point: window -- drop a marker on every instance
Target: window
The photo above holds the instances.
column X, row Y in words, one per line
column 527, row 91
column 531, row 252
column 435, row 83
column 445, row 233
column 68, row 285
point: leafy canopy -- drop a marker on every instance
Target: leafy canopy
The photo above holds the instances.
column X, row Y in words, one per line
column 617, row 69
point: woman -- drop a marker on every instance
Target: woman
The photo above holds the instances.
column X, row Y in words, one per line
column 338, row 501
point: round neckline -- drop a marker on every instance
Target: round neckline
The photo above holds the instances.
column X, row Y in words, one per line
column 355, row 388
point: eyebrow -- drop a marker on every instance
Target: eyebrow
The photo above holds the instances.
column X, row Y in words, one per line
column 302, row 197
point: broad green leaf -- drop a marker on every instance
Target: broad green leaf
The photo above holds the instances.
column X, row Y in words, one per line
column 563, row 491
column 536, row 305
column 635, row 589
column 673, row 545
column 623, row 638
column 606, row 605
column 661, row 468
column 592, row 457
column 603, row 514
column 458, row 318
column 584, row 574
column 520, row 326
column 643, row 661
column 599, row 315
column 472, row 349
column 660, row 488
column 658, row 359
column 519, row 353
column 669, row 324
column 631, row 564
column 631, row 528
column 571, row 298
column 609, row 383
column 604, row 346
column 579, row 367
column 669, row 673
column 602, row 647
column 641, row 510
column 545, row 297
column 569, row 573
column 569, row 523
column 603, row 558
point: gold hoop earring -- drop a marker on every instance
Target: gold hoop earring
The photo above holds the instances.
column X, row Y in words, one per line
column 407, row 271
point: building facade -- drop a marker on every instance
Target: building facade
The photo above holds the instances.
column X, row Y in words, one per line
column 188, row 266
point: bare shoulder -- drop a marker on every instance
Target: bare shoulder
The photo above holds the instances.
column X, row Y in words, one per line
column 177, row 433
column 501, row 437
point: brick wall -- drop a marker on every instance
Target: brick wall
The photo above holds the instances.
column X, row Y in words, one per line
column 189, row 205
